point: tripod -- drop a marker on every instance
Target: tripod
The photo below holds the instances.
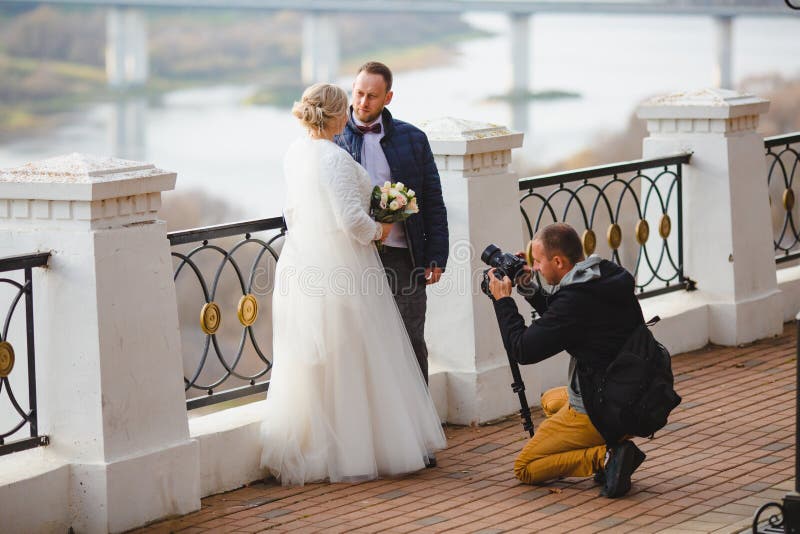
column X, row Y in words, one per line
column 518, row 386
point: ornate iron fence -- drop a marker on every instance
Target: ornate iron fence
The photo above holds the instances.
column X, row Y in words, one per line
column 775, row 517
column 783, row 167
column 12, row 405
column 624, row 201
column 235, row 275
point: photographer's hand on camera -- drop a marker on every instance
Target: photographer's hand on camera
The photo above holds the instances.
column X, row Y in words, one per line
column 527, row 283
column 499, row 288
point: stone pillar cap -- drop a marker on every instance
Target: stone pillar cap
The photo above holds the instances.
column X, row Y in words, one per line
column 702, row 104
column 452, row 136
column 83, row 177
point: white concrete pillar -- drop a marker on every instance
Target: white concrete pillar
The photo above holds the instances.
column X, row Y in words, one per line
column 127, row 59
column 723, row 70
column 727, row 230
column 320, row 58
column 520, row 53
column 109, row 370
column 470, row 375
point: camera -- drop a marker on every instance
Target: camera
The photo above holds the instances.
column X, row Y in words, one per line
column 505, row 264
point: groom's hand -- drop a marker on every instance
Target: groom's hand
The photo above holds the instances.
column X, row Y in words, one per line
column 432, row 275
column 499, row 288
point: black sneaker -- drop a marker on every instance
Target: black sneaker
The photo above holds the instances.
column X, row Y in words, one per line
column 600, row 477
column 431, row 461
column 625, row 459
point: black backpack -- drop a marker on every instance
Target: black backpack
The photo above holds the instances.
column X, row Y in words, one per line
column 636, row 392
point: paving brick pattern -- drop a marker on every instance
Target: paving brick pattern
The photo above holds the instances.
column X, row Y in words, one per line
column 728, row 449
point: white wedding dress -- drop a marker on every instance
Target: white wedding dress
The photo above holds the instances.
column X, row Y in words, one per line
column 347, row 401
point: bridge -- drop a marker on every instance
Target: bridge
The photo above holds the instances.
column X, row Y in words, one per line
column 728, row 8
column 126, row 42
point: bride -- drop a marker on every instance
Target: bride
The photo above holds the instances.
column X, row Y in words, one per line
column 347, row 400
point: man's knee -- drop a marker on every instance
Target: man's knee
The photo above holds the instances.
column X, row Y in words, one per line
column 526, row 466
column 526, row 472
column 553, row 400
column 520, row 470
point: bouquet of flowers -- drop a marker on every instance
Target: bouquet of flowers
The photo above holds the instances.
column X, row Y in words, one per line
column 392, row 203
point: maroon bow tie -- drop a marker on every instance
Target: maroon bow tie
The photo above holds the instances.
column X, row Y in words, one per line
column 375, row 128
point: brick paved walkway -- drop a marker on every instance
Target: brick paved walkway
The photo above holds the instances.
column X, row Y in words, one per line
column 728, row 449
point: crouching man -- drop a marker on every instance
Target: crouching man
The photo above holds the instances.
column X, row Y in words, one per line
column 589, row 312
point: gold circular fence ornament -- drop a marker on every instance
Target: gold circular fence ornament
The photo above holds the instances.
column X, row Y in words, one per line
column 642, row 231
column 665, row 226
column 589, row 241
column 247, row 310
column 210, row 317
column 614, row 236
column 6, row 358
column 788, row 200
column 529, row 254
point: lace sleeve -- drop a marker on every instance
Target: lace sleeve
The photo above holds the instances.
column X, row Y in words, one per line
column 346, row 196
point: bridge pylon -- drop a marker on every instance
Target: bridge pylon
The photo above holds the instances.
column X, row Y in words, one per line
column 127, row 61
column 320, row 59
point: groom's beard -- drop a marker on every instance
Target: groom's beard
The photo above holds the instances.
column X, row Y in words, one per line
column 367, row 118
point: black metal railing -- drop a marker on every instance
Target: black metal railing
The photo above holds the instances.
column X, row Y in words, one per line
column 783, row 167
column 774, row 517
column 10, row 403
column 223, row 357
column 623, row 201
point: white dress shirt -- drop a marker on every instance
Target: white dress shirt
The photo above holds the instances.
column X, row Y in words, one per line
column 374, row 160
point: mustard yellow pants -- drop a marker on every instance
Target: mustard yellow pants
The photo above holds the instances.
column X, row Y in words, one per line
column 566, row 444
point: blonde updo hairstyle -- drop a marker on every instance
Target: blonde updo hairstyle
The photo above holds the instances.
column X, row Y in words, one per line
column 320, row 105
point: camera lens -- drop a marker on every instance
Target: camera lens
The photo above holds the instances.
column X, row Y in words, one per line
column 488, row 253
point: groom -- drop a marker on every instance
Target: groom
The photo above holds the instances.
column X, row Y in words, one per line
column 415, row 252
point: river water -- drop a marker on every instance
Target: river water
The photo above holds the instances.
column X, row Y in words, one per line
column 233, row 152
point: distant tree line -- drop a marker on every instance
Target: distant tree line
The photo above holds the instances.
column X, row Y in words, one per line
column 47, row 33
column 209, row 44
column 783, row 117
column 52, row 57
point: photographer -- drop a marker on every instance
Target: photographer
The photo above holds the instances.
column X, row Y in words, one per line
column 590, row 312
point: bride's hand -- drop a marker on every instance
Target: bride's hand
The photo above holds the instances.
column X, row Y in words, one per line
column 387, row 227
